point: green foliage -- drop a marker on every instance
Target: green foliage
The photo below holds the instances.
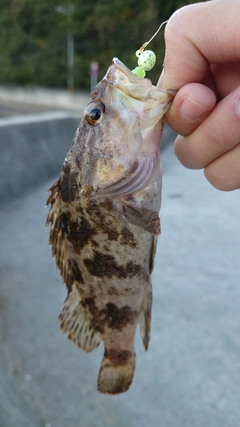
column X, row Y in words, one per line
column 33, row 37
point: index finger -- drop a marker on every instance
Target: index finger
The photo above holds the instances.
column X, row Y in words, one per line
column 199, row 35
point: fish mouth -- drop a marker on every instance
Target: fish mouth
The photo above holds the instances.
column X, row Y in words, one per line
column 133, row 78
column 122, row 78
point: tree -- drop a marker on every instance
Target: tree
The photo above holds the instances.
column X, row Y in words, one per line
column 33, row 37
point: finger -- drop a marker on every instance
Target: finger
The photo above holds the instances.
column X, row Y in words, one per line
column 191, row 105
column 226, row 77
column 197, row 35
column 218, row 133
column 208, row 81
column 224, row 172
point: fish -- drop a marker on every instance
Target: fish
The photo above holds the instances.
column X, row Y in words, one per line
column 104, row 217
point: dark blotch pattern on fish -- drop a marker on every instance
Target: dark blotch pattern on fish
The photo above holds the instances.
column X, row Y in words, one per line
column 118, row 357
column 103, row 265
column 77, row 273
column 103, row 222
column 99, row 321
column 88, row 302
column 127, row 238
column 68, row 187
column 118, row 318
column 111, row 316
column 111, row 233
column 78, row 233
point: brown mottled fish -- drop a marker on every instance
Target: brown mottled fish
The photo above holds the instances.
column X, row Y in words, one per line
column 104, row 221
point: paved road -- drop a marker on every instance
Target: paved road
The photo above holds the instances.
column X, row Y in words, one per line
column 190, row 377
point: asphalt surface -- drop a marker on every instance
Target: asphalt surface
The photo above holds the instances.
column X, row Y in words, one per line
column 190, row 376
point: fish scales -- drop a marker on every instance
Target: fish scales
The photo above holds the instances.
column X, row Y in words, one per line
column 104, row 221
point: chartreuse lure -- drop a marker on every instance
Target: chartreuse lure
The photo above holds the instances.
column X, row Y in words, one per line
column 146, row 58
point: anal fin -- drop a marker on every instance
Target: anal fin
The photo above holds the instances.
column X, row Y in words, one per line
column 145, row 318
column 152, row 254
column 76, row 321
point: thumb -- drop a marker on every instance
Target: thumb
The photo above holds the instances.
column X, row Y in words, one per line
column 198, row 35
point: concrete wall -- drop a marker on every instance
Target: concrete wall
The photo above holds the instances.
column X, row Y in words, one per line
column 55, row 98
column 33, row 148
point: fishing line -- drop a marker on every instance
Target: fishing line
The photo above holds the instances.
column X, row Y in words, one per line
column 147, row 58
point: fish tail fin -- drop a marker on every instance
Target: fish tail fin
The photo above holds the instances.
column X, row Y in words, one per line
column 145, row 319
column 116, row 372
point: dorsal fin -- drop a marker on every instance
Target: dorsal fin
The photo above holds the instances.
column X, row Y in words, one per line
column 56, row 239
column 75, row 318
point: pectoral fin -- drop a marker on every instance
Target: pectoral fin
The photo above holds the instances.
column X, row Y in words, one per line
column 144, row 218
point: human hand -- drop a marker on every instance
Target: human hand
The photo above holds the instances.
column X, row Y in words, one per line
column 202, row 62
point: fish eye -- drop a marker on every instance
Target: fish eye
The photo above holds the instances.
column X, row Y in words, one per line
column 93, row 116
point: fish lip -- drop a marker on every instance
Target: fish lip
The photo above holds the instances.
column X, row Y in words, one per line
column 144, row 83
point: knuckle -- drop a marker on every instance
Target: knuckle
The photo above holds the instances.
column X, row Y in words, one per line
column 178, row 23
column 221, row 177
column 215, row 180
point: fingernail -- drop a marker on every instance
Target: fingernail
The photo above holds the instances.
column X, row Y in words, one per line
column 160, row 80
column 191, row 110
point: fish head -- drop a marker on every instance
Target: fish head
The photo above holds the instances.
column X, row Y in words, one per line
column 121, row 127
